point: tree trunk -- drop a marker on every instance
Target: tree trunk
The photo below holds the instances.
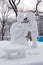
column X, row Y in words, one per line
column 3, row 24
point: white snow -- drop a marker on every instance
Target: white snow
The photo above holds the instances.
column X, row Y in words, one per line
column 34, row 56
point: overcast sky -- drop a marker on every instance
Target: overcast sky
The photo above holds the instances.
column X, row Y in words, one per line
column 27, row 5
column 30, row 5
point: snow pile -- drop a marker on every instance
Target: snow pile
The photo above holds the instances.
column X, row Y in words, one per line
column 33, row 55
column 10, row 48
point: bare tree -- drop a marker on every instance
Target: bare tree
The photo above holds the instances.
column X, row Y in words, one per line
column 36, row 10
column 4, row 21
column 4, row 18
column 14, row 5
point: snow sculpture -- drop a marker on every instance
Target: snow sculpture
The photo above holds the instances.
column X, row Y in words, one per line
column 19, row 29
column 34, row 29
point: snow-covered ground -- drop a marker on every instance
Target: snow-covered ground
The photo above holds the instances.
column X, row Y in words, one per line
column 34, row 56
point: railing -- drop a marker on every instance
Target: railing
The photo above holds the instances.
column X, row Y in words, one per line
column 5, row 38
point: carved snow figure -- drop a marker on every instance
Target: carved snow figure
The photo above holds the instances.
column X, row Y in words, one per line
column 34, row 29
column 18, row 32
column 25, row 22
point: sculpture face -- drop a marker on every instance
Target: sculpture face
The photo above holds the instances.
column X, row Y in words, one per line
column 26, row 17
column 22, row 16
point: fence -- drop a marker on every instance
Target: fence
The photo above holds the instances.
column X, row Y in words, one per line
column 5, row 38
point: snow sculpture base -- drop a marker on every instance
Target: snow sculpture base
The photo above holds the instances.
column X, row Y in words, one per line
column 15, row 54
column 16, row 51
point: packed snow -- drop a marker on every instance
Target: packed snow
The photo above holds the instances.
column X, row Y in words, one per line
column 33, row 56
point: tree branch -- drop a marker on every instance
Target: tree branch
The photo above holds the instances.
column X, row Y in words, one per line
column 18, row 2
column 38, row 1
column 13, row 6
